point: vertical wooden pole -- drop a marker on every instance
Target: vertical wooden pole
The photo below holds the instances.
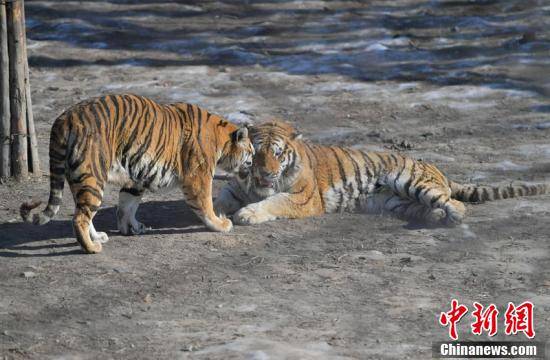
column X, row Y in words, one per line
column 4, row 96
column 18, row 104
column 34, row 161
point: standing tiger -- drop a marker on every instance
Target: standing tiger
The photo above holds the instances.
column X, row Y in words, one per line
column 139, row 145
column 291, row 178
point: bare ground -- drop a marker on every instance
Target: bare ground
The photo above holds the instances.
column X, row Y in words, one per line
column 468, row 92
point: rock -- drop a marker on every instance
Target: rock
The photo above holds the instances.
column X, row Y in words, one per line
column 121, row 270
column 148, row 299
column 528, row 37
column 28, row 274
column 190, row 347
column 372, row 255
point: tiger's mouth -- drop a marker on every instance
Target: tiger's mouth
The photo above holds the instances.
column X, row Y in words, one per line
column 266, row 183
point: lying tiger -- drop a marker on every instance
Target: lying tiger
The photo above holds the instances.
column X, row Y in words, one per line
column 140, row 145
column 291, row 178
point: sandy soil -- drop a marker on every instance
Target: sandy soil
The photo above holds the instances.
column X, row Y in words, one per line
column 462, row 84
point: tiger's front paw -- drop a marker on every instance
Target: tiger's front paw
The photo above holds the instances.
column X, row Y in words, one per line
column 221, row 224
column 139, row 229
column 250, row 215
column 226, row 225
column 132, row 228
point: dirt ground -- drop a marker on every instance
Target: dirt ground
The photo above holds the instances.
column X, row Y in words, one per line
column 462, row 84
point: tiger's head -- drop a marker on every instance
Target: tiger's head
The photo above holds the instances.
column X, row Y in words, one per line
column 276, row 159
column 238, row 151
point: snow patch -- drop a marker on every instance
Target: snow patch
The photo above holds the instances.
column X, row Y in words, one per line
column 376, row 47
column 467, row 233
column 478, row 176
column 239, row 117
column 259, row 349
column 533, row 151
column 407, row 86
column 340, row 86
column 332, row 134
column 508, row 165
column 128, row 85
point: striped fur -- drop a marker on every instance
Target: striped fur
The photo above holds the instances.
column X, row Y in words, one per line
column 291, row 178
column 139, row 145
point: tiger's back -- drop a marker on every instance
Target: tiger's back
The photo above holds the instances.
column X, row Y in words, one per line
column 355, row 180
column 132, row 138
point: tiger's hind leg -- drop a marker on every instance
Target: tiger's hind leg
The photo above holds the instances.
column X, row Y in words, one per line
column 128, row 203
column 88, row 195
column 456, row 211
column 403, row 208
column 436, row 196
column 98, row 236
column 425, row 185
column 437, row 199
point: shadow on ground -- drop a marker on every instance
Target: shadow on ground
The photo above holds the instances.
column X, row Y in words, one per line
column 163, row 217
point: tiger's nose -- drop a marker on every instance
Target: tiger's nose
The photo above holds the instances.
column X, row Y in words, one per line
column 248, row 163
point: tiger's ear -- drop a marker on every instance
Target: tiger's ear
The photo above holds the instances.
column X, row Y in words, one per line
column 240, row 134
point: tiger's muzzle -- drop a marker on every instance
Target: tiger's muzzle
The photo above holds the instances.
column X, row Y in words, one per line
column 265, row 179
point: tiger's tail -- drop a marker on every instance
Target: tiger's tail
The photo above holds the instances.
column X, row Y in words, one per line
column 58, row 155
column 481, row 193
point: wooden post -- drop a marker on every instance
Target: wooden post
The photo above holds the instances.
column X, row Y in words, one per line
column 4, row 96
column 18, row 145
column 18, row 103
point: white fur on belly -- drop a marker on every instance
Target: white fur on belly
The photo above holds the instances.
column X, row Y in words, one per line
column 154, row 178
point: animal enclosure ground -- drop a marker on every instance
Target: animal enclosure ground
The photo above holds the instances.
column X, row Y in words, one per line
column 460, row 84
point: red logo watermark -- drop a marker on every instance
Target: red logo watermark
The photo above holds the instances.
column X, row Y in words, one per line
column 452, row 317
column 485, row 319
column 516, row 319
column 519, row 318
